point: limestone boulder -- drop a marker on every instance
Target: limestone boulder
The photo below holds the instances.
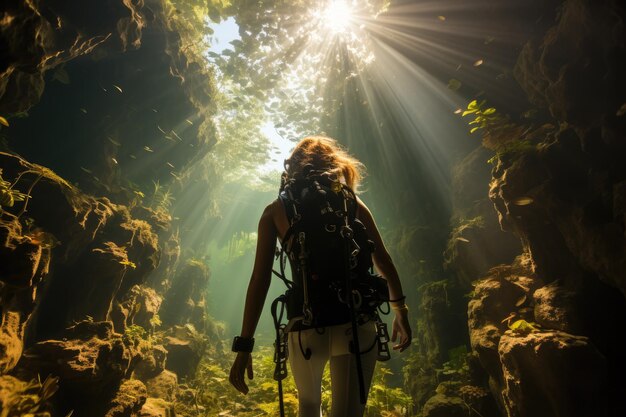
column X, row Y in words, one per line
column 556, row 307
column 128, row 400
column 497, row 300
column 183, row 355
column 157, row 407
column 152, row 363
column 140, row 306
column 441, row 405
column 553, row 373
column 164, row 385
column 90, row 360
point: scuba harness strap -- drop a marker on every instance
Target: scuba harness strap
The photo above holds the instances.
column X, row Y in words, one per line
column 280, row 350
column 351, row 298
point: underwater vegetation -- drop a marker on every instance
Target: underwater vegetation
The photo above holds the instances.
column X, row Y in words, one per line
column 213, row 394
column 131, row 143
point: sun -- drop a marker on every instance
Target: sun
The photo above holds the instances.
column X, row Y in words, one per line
column 337, row 16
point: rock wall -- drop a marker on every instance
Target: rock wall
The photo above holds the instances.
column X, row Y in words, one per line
column 547, row 328
column 87, row 261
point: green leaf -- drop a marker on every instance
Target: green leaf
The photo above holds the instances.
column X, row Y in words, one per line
column 466, row 112
column 472, row 105
column 489, row 111
column 474, row 129
column 523, row 326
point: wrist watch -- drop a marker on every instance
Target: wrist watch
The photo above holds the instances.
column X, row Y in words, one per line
column 243, row 344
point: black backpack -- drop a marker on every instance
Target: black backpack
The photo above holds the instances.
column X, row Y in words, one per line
column 331, row 262
column 329, row 252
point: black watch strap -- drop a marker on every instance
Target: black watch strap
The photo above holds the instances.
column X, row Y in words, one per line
column 243, row 344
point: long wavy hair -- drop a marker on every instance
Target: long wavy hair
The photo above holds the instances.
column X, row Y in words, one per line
column 322, row 153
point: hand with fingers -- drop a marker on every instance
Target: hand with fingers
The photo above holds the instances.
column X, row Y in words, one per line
column 401, row 328
column 243, row 363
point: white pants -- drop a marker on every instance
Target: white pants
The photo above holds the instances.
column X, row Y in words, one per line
column 333, row 344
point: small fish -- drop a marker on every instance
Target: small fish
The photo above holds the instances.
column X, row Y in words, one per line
column 523, row 201
column 168, row 137
column 189, row 121
column 454, row 84
column 113, row 141
column 114, row 161
column 175, row 176
column 458, row 67
column 4, row 122
column 148, row 149
column 162, row 131
column 442, row 18
column 118, row 88
column 169, row 165
column 621, row 111
column 462, row 239
column 131, row 156
column 83, row 110
column 458, row 111
column 88, row 171
column 176, row 135
column 478, row 63
column 155, row 110
column 488, row 40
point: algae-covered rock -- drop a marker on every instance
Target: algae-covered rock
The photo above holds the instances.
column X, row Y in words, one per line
column 497, row 300
column 164, row 385
column 157, row 407
column 89, row 360
column 558, row 308
column 128, row 400
column 441, row 405
column 140, row 306
column 152, row 363
column 549, row 374
column 184, row 349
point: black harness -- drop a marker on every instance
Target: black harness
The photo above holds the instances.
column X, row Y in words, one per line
column 333, row 280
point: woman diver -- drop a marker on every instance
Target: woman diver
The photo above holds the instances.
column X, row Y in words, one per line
column 311, row 344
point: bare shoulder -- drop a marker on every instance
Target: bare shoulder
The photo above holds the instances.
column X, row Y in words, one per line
column 272, row 213
column 362, row 210
column 273, row 208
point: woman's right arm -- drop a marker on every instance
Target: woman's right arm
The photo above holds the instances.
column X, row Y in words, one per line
column 255, row 297
column 384, row 265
